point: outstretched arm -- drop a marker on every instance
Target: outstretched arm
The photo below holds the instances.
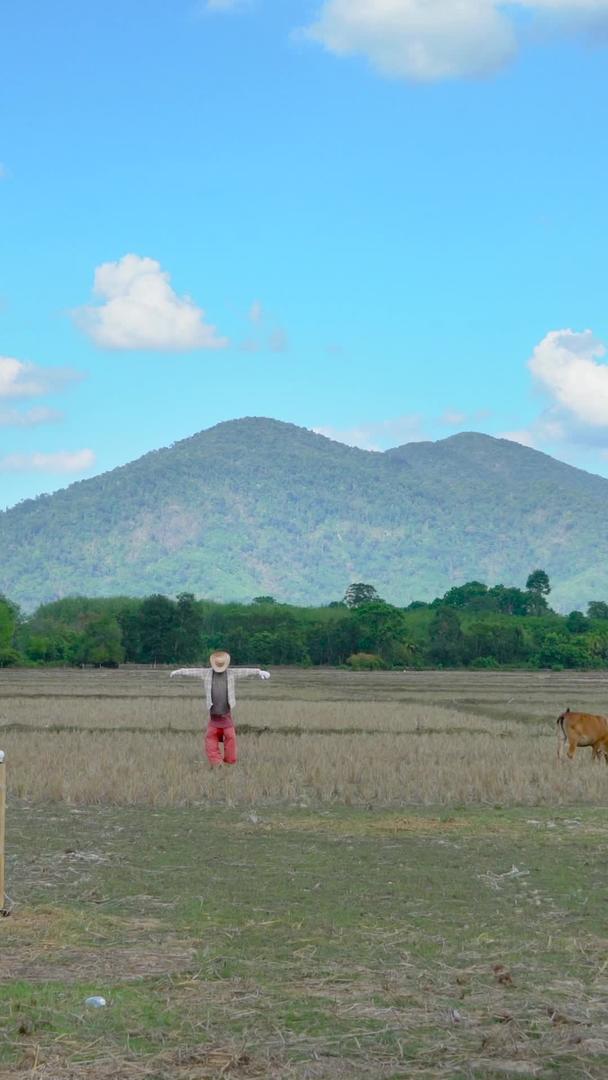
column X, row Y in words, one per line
column 244, row 672
column 197, row 672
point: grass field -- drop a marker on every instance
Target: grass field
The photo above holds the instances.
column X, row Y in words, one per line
column 408, row 887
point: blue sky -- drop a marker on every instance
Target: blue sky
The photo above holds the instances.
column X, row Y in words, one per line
column 375, row 218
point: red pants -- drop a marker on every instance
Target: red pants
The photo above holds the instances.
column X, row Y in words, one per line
column 220, row 732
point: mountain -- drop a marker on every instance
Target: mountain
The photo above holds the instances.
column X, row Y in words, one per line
column 256, row 506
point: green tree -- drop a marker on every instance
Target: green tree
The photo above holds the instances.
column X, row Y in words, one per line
column 263, row 647
column 509, row 600
column 8, row 623
column 500, row 641
column 381, row 629
column 557, row 651
column 157, row 630
column 263, row 600
column 358, row 593
column 9, row 615
column 597, row 645
column 576, row 623
column 56, row 646
column 471, row 595
column 290, row 646
column 447, row 642
column 597, row 609
column 130, row 624
column 331, row 640
column 538, row 581
column 100, row 643
column 188, row 628
column 538, row 587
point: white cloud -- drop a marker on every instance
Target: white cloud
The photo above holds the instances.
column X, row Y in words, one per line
column 202, row 8
column 453, row 418
column 549, row 427
column 250, row 345
column 256, row 312
column 526, row 438
column 458, row 418
column 572, row 8
column 428, row 40
column 22, row 379
column 266, row 337
column 568, row 371
column 278, row 340
column 422, row 40
column 378, row 434
column 30, row 417
column 142, row 311
column 63, row 461
column 223, row 5
column 567, row 367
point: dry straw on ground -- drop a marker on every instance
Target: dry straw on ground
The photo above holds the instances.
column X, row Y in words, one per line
column 388, row 738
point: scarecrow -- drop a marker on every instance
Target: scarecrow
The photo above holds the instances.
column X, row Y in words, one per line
column 220, row 698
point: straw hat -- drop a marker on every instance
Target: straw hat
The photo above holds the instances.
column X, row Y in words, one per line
column 219, row 660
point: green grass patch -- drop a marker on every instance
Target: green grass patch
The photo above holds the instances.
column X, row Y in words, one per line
column 353, row 942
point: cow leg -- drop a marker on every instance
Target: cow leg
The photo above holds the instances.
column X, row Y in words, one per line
column 572, row 744
column 561, row 743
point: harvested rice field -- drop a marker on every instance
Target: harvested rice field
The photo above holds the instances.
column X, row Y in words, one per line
column 313, row 737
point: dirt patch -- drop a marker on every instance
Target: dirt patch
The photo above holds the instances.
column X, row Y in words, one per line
column 200, row 1063
column 50, row 929
column 49, row 926
column 45, row 944
column 114, row 964
column 386, row 825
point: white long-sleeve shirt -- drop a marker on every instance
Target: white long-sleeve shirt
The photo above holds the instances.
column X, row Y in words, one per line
column 206, row 675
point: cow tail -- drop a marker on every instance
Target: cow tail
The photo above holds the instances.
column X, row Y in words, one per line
column 560, row 723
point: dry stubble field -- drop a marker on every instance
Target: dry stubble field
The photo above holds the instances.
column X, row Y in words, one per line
column 397, row 880
column 428, row 738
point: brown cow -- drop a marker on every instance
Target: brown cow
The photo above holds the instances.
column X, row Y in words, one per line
column 582, row 729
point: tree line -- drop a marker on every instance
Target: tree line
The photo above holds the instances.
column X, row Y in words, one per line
column 471, row 625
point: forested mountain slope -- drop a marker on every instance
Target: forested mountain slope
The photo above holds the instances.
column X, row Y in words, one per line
column 256, row 506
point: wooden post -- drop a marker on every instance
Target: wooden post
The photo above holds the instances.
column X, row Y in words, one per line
column 2, row 820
